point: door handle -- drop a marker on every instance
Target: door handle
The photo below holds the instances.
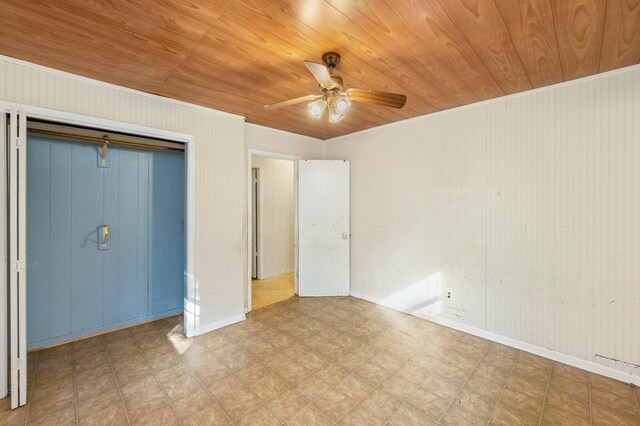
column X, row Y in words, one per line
column 104, row 240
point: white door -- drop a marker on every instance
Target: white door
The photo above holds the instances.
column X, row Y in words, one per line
column 17, row 257
column 323, row 224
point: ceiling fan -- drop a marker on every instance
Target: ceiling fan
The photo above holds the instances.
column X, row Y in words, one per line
column 333, row 98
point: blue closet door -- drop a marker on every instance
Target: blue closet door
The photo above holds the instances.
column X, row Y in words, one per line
column 39, row 266
column 75, row 289
column 87, row 215
column 166, row 239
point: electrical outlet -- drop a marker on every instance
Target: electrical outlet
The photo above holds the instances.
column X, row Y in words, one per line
column 448, row 295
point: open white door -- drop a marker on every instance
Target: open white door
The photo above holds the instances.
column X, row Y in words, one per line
column 323, row 224
column 17, row 256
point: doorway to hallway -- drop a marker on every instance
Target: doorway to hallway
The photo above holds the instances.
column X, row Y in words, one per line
column 272, row 231
column 321, row 237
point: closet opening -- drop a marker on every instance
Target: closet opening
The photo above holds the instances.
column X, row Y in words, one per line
column 105, row 231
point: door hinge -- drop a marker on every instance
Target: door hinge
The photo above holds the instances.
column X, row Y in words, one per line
column 19, row 364
column 18, row 144
column 18, row 265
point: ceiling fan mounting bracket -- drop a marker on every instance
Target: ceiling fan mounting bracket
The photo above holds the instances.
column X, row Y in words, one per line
column 331, row 59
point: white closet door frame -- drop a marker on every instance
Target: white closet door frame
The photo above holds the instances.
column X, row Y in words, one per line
column 17, row 256
column 4, row 273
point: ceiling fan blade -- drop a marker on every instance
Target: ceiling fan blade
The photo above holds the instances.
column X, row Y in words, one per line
column 393, row 100
column 293, row 101
column 321, row 74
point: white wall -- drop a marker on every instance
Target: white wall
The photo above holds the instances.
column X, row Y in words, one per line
column 280, row 142
column 278, row 215
column 221, row 202
column 527, row 208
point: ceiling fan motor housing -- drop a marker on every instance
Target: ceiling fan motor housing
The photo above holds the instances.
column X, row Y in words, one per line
column 331, row 59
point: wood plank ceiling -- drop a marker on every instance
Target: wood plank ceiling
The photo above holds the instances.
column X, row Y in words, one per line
column 237, row 55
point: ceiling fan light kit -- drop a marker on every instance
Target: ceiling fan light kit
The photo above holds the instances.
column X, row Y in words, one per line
column 338, row 106
column 317, row 107
column 342, row 104
column 334, row 114
column 332, row 98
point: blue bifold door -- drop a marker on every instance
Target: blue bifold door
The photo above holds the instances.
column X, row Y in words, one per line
column 105, row 241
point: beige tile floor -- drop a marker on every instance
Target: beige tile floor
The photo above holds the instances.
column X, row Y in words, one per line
column 312, row 361
column 272, row 290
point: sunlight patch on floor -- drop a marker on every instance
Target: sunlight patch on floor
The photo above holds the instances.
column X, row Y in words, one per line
column 270, row 291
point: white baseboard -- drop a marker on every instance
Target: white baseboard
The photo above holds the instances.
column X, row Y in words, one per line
column 276, row 274
column 517, row 344
column 219, row 324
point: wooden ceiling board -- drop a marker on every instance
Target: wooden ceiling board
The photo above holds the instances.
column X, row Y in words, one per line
column 238, row 55
column 213, row 85
column 301, row 39
column 382, row 23
column 621, row 42
column 429, row 22
column 483, row 27
column 368, row 55
column 300, row 42
column 579, row 25
column 131, row 43
column 530, row 25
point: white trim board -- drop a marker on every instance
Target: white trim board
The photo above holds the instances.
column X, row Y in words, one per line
column 278, row 274
column 517, row 344
column 219, row 324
